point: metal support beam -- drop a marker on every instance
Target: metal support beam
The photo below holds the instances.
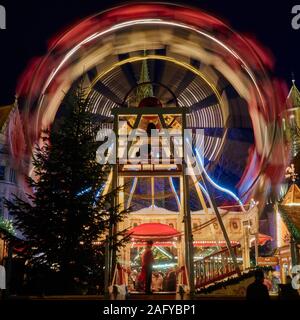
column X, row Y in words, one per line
column 246, row 244
column 294, row 252
column 222, row 226
column 113, row 226
column 175, row 194
column 106, row 270
column 181, row 223
column 189, row 241
column 108, row 183
column 152, row 192
column 199, row 192
column 132, row 191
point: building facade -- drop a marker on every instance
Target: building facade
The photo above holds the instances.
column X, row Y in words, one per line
column 11, row 167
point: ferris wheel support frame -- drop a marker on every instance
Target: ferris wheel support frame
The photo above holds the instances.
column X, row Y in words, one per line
column 185, row 196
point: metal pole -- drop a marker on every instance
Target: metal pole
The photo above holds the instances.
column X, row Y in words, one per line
column 182, row 227
column 110, row 253
column 187, row 218
column 220, row 221
column 256, row 248
column 294, row 252
column 186, row 239
column 152, row 192
column 113, row 226
column 247, row 248
column 106, row 270
column 256, row 239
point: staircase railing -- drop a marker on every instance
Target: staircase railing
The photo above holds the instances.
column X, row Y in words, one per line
column 215, row 267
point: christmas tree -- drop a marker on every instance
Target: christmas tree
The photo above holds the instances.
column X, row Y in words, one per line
column 67, row 216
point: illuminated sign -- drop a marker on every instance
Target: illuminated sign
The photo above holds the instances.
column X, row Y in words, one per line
column 267, row 261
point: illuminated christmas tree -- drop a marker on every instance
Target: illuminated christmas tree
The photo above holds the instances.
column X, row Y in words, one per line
column 68, row 216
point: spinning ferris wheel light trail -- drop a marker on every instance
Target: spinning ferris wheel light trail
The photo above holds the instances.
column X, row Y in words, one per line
column 76, row 53
column 213, row 78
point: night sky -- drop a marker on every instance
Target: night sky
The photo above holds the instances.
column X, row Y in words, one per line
column 31, row 23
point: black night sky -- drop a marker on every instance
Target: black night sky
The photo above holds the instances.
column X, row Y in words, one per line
column 31, row 23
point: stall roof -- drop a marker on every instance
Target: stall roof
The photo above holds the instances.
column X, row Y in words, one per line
column 290, row 211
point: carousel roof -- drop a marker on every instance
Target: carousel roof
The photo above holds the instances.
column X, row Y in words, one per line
column 293, row 99
column 153, row 231
column 153, row 210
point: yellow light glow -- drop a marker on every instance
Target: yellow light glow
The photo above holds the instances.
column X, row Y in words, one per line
column 157, row 57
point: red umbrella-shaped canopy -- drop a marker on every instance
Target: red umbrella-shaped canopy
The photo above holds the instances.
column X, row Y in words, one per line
column 262, row 239
column 153, row 231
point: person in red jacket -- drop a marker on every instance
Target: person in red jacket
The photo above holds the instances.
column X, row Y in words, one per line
column 147, row 265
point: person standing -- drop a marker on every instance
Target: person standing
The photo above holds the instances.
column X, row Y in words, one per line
column 147, row 265
column 133, row 277
column 275, row 282
column 257, row 290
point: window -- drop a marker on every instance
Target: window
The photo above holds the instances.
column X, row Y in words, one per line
column 2, row 173
column 216, row 226
column 235, row 225
column 12, row 176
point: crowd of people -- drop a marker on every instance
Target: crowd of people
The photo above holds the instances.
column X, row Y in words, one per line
column 160, row 281
column 150, row 281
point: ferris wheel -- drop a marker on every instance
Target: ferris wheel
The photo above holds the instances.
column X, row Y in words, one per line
column 184, row 58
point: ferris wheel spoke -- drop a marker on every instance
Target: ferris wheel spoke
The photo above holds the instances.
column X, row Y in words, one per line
column 205, row 103
column 158, row 67
column 187, row 78
column 102, row 89
column 107, row 92
column 128, row 70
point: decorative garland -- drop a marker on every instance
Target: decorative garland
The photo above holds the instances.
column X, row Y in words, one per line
column 6, row 227
column 295, row 232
